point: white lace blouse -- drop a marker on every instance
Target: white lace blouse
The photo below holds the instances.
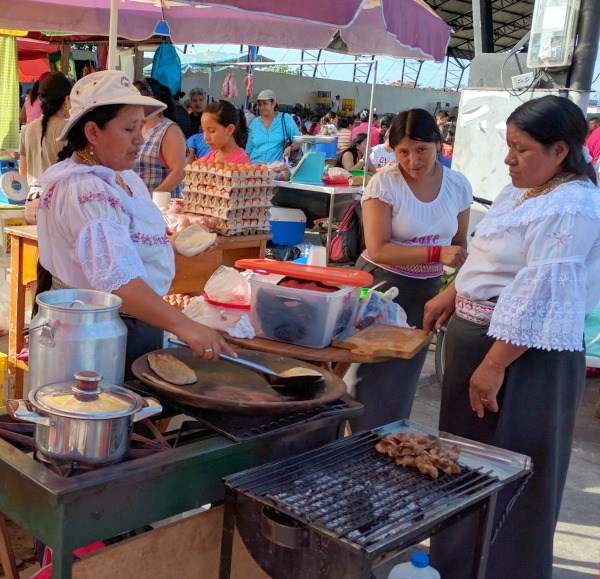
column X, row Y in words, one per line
column 92, row 235
column 542, row 261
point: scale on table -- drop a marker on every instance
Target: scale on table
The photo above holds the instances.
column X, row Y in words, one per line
column 13, row 188
column 310, row 168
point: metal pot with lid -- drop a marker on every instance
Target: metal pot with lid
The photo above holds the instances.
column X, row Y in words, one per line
column 76, row 329
column 83, row 421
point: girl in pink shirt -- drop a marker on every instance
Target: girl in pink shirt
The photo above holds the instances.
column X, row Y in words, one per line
column 225, row 132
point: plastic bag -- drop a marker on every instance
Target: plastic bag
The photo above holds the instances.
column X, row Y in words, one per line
column 234, row 321
column 383, row 308
column 228, row 286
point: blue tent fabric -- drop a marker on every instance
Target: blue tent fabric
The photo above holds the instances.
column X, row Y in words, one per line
column 166, row 67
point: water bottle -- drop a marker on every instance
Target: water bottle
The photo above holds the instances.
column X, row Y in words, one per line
column 417, row 568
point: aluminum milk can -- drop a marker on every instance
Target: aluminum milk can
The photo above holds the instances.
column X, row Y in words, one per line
column 76, row 329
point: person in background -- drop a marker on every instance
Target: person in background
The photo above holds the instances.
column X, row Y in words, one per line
column 441, row 120
column 343, row 134
column 329, row 124
column 593, row 124
column 198, row 102
column 38, row 147
column 182, row 116
column 98, row 228
column 382, row 156
column 515, row 354
column 268, row 133
column 197, row 146
column 32, row 108
column 593, row 145
column 415, row 218
column 353, row 157
column 314, row 127
column 363, row 127
column 384, row 124
column 163, row 155
column 336, row 105
column 448, row 144
column 225, row 131
column 250, row 116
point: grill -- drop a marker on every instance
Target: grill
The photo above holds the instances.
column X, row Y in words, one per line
column 333, row 511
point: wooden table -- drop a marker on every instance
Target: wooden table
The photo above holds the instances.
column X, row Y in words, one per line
column 191, row 273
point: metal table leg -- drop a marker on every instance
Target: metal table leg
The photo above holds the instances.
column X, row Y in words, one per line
column 486, row 521
column 229, row 517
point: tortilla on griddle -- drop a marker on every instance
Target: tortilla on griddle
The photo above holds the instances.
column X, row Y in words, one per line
column 169, row 368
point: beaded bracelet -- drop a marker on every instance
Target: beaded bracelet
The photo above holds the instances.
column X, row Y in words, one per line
column 493, row 364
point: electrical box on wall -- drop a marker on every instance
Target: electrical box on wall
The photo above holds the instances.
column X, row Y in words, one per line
column 553, row 29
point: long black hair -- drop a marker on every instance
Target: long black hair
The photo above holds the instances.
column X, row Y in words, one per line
column 76, row 139
column 53, row 91
column 550, row 119
column 352, row 148
column 160, row 92
column 416, row 124
column 228, row 114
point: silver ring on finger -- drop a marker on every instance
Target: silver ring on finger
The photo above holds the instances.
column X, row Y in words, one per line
column 208, row 350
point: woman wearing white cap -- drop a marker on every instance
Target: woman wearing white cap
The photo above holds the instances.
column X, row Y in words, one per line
column 97, row 225
column 269, row 133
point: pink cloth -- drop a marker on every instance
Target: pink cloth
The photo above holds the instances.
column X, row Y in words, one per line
column 593, row 144
column 363, row 128
column 238, row 156
column 33, row 111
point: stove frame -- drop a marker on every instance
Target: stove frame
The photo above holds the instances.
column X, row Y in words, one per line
column 68, row 513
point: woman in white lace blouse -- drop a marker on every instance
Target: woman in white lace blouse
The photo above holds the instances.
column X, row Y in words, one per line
column 97, row 225
column 515, row 359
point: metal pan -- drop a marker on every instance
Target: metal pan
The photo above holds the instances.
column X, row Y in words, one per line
column 231, row 388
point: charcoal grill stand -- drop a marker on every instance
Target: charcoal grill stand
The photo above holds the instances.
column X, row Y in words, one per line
column 333, row 511
column 354, row 559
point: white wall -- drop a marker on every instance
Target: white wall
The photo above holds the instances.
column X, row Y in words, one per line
column 292, row 89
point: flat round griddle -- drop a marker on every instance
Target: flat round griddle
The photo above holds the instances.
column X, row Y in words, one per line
column 229, row 388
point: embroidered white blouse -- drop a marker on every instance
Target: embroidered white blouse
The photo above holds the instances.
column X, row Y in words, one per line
column 93, row 235
column 542, row 260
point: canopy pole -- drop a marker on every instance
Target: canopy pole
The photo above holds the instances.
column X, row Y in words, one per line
column 370, row 127
column 112, row 35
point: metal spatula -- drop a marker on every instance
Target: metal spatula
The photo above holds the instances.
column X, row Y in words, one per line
column 275, row 379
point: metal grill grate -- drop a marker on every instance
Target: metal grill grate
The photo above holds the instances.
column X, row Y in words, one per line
column 357, row 493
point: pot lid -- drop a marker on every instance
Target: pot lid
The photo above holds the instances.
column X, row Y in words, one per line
column 85, row 398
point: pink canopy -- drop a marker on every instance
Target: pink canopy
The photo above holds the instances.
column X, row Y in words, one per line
column 398, row 28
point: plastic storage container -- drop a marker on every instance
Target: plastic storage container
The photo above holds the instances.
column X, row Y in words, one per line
column 417, row 568
column 287, row 225
column 300, row 316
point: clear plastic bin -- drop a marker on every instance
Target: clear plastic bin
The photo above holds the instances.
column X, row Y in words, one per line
column 301, row 317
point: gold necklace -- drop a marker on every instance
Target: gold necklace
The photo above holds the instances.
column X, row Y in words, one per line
column 88, row 159
column 543, row 189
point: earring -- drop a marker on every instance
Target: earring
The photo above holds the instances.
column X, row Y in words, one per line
column 66, row 107
column 91, row 151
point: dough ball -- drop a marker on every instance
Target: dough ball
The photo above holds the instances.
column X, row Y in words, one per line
column 194, row 240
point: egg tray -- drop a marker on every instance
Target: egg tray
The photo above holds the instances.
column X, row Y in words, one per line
column 247, row 193
column 230, row 180
column 191, row 198
column 229, row 231
column 227, row 213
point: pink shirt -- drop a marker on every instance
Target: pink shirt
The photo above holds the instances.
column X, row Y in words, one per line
column 593, row 144
column 239, row 156
column 363, row 128
column 33, row 111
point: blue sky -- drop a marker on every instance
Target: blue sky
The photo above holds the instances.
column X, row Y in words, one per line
column 388, row 69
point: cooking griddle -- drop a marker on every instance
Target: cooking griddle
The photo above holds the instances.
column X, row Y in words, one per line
column 225, row 387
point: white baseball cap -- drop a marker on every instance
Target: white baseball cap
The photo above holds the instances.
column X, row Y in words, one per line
column 266, row 95
column 107, row 87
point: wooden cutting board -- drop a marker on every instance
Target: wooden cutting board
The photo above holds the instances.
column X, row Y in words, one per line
column 381, row 340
